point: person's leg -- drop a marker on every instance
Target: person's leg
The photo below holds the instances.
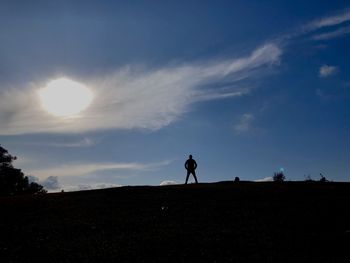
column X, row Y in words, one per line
column 195, row 177
column 188, row 175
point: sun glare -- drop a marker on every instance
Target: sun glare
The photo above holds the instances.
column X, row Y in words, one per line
column 64, row 97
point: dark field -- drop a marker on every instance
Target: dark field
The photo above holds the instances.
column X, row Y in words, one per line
column 222, row 222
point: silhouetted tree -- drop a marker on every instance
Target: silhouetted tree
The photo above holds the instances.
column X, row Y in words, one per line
column 237, row 179
column 279, row 177
column 12, row 180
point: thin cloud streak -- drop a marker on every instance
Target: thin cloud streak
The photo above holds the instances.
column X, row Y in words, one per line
column 143, row 99
column 312, row 27
column 330, row 35
column 79, row 143
column 328, row 21
column 85, row 142
column 90, row 168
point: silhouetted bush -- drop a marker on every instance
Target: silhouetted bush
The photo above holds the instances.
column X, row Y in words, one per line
column 323, row 179
column 12, row 180
column 237, row 179
column 308, row 178
column 279, row 177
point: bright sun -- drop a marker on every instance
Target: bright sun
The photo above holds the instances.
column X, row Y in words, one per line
column 64, row 97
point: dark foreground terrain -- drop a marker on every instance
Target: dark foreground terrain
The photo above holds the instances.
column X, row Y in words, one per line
column 222, row 222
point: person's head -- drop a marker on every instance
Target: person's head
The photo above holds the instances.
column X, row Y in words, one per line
column 190, row 156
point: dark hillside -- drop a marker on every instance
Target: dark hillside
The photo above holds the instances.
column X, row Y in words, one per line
column 222, row 222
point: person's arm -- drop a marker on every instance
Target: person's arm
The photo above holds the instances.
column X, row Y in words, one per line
column 186, row 164
column 195, row 164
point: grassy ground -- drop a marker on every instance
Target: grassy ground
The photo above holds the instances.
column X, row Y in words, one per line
column 222, row 222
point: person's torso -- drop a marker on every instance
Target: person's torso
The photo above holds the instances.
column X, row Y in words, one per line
column 191, row 164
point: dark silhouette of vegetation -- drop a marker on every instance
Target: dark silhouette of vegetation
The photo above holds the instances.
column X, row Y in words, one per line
column 323, row 179
column 237, row 179
column 12, row 180
column 308, row 178
column 279, row 177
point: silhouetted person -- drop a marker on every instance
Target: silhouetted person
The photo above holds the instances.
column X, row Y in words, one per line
column 191, row 166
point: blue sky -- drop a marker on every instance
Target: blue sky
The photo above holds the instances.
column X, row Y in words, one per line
column 247, row 87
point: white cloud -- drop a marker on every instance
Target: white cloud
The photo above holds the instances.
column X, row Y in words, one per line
column 90, row 168
column 329, row 35
column 244, row 124
column 142, row 99
column 167, row 183
column 50, row 183
column 327, row 71
column 266, row 179
column 32, row 178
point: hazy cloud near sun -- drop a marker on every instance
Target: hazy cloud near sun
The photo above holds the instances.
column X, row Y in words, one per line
column 143, row 99
column 134, row 98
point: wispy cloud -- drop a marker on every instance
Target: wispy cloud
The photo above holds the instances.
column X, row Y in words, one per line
column 151, row 99
column 84, row 142
column 329, row 35
column 244, row 124
column 63, row 143
column 327, row 71
column 143, row 99
column 327, row 21
column 319, row 24
column 81, row 169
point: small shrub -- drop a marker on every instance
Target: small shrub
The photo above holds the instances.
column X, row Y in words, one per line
column 279, row 177
column 323, row 179
column 308, row 178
